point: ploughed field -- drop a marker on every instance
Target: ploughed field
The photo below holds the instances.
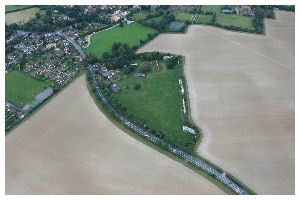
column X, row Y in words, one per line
column 130, row 34
column 242, row 97
column 157, row 101
column 70, row 147
column 20, row 88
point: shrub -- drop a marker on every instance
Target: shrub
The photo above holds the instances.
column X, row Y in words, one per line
column 137, row 86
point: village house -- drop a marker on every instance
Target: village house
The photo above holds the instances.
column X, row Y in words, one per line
column 114, row 87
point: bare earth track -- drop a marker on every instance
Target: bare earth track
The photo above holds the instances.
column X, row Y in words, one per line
column 70, row 147
column 242, row 90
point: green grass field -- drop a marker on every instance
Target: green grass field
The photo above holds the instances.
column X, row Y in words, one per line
column 140, row 15
column 212, row 8
column 227, row 19
column 203, row 19
column 131, row 34
column 235, row 20
column 20, row 88
column 10, row 8
column 183, row 16
column 158, row 102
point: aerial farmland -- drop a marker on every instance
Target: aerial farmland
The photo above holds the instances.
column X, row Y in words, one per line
column 185, row 99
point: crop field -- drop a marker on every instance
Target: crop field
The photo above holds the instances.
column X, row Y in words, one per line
column 242, row 94
column 70, row 147
column 203, row 19
column 131, row 34
column 21, row 17
column 158, row 102
column 20, row 88
column 235, row 20
column 183, row 16
column 9, row 8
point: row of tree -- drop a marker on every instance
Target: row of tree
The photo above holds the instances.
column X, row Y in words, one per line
column 50, row 23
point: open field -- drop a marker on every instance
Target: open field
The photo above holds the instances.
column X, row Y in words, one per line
column 242, row 97
column 70, row 147
column 158, row 102
column 203, row 19
column 183, row 16
column 140, row 15
column 235, row 20
column 211, row 8
column 20, row 89
column 226, row 19
column 10, row 8
column 131, row 34
column 21, row 17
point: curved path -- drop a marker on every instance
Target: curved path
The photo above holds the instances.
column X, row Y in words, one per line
column 242, row 94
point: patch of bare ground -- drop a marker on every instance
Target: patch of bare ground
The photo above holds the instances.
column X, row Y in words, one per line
column 242, row 93
column 70, row 147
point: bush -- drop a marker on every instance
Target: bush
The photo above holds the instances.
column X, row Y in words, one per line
column 137, row 86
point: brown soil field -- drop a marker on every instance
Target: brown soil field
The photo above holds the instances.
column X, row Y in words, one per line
column 20, row 17
column 70, row 147
column 242, row 94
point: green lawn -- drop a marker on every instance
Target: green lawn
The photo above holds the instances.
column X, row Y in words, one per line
column 158, row 102
column 131, row 34
column 20, row 88
column 235, row 20
column 9, row 8
column 183, row 16
column 203, row 19
column 228, row 19
column 140, row 15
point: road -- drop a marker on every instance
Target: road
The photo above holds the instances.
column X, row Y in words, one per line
column 151, row 137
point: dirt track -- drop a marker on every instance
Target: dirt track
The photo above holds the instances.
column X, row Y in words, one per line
column 242, row 96
column 70, row 147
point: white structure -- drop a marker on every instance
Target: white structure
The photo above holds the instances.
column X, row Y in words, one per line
column 181, row 85
column 167, row 57
column 188, row 129
column 183, row 104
